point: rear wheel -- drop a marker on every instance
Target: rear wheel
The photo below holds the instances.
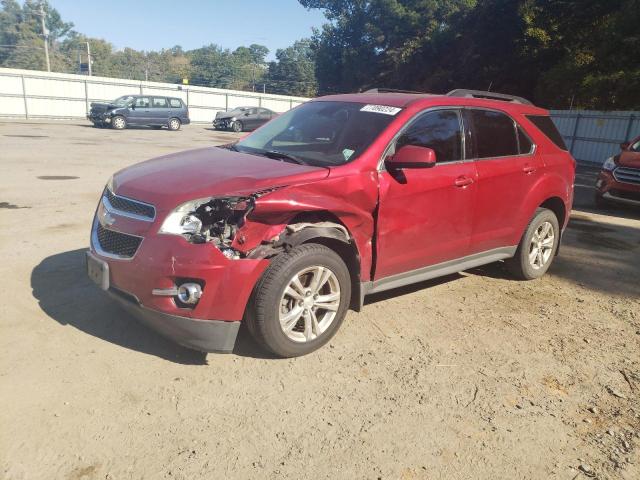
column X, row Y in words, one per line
column 174, row 124
column 300, row 301
column 537, row 247
column 118, row 122
column 237, row 126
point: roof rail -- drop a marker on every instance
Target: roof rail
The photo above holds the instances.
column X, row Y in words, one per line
column 461, row 92
column 391, row 90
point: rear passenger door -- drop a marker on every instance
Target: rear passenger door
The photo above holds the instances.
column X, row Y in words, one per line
column 508, row 167
column 159, row 111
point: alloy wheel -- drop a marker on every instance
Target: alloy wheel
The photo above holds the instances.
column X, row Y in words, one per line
column 309, row 303
column 541, row 245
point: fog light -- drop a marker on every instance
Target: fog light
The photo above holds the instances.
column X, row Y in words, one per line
column 189, row 293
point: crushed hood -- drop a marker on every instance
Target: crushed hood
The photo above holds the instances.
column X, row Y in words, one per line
column 177, row 178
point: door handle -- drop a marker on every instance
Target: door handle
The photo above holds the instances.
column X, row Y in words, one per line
column 463, row 181
column 528, row 169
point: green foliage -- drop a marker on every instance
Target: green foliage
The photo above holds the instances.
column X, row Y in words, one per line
column 557, row 52
column 294, row 70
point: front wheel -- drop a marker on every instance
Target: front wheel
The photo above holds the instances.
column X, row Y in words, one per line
column 300, row 301
column 537, row 247
column 118, row 122
column 174, row 124
column 237, row 126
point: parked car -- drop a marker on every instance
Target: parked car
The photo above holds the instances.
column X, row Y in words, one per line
column 140, row 110
column 619, row 179
column 243, row 119
column 341, row 197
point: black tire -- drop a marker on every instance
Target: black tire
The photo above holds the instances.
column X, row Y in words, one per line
column 174, row 124
column 118, row 122
column 263, row 311
column 520, row 265
column 237, row 126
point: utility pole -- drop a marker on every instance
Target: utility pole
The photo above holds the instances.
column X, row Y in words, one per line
column 89, row 58
column 45, row 34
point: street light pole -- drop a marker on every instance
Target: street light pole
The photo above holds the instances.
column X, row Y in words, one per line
column 45, row 34
column 89, row 58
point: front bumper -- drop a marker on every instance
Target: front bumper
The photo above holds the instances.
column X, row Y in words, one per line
column 222, row 124
column 164, row 262
column 203, row 335
column 611, row 189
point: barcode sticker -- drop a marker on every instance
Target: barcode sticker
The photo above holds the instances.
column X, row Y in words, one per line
column 384, row 109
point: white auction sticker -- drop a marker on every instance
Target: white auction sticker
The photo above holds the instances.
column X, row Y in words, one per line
column 384, row 109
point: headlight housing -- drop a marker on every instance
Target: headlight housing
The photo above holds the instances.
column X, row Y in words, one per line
column 208, row 219
column 609, row 164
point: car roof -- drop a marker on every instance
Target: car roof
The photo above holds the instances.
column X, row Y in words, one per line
column 424, row 100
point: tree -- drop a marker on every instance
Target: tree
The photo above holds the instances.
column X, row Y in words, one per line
column 294, row 71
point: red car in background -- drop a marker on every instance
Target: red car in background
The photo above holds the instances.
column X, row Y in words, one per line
column 619, row 179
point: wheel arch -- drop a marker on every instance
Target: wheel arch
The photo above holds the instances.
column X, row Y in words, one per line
column 338, row 239
column 557, row 206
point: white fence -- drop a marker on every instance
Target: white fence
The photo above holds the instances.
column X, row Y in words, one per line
column 594, row 136
column 35, row 94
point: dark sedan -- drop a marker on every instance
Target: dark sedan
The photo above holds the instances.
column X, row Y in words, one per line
column 242, row 119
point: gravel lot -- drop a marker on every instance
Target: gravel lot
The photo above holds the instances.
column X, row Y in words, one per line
column 470, row 376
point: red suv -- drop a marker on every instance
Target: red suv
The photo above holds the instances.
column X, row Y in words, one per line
column 341, row 197
column 619, row 179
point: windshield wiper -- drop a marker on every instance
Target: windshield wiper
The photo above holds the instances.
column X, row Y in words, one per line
column 276, row 155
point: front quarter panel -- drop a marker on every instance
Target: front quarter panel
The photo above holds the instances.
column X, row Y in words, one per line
column 351, row 198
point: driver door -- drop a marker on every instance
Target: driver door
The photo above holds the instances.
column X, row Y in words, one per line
column 425, row 215
column 139, row 112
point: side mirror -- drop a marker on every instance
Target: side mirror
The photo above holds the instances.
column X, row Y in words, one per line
column 132, row 106
column 624, row 146
column 412, row 156
column 247, row 114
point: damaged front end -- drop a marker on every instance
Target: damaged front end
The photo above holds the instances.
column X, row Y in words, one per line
column 214, row 220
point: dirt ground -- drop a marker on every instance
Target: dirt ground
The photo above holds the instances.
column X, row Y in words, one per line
column 470, row 376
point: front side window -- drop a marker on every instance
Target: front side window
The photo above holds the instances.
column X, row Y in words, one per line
column 142, row 102
column 635, row 147
column 439, row 130
column 323, row 133
column 175, row 103
column 159, row 102
column 495, row 134
column 123, row 101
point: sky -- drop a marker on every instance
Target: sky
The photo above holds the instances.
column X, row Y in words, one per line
column 157, row 24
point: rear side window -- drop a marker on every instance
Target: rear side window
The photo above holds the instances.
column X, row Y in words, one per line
column 524, row 143
column 159, row 102
column 546, row 126
column 495, row 134
column 438, row 130
column 175, row 103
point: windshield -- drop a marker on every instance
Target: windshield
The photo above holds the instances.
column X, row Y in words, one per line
column 320, row 133
column 236, row 111
column 123, row 101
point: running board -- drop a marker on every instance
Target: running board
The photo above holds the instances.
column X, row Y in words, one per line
column 438, row 270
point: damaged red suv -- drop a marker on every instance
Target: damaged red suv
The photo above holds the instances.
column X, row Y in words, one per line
column 341, row 197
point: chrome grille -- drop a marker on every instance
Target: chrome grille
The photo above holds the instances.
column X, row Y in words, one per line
column 116, row 243
column 627, row 175
column 129, row 207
